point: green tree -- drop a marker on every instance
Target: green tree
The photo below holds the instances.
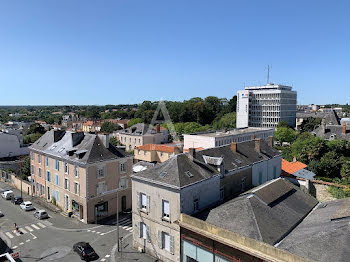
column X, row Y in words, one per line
column 134, row 121
column 226, row 121
column 345, row 172
column 285, row 134
column 310, row 124
column 331, row 163
column 35, row 128
column 109, row 127
column 25, row 168
column 283, row 124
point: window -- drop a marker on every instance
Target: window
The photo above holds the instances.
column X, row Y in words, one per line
column 66, row 168
column 100, row 172
column 195, row 204
column 33, row 170
column 101, row 188
column 76, row 188
column 32, row 154
column 166, row 241
column 144, row 231
column 166, row 209
column 123, row 167
column 57, row 196
column 48, row 176
column 47, row 161
column 123, row 182
column 39, row 172
column 57, row 165
column 48, row 193
column 144, row 200
column 76, row 171
column 66, row 184
column 39, row 159
column 56, row 180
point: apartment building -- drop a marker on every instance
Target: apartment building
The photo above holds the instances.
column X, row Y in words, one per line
column 141, row 134
column 161, row 193
column 91, row 126
column 81, row 173
column 155, row 153
column 266, row 106
column 225, row 137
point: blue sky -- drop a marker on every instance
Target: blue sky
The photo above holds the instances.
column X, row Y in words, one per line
column 128, row 51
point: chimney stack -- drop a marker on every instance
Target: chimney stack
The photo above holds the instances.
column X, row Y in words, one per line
column 252, row 137
column 158, row 128
column 258, row 145
column 344, row 129
column 294, row 159
column 192, row 153
column 105, row 139
column 234, row 146
column 271, row 141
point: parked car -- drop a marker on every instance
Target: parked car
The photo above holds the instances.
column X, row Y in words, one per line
column 41, row 214
column 84, row 250
column 7, row 194
column 27, row 206
column 4, row 190
column 17, row 200
column 1, row 214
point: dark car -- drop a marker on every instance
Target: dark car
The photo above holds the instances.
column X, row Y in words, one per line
column 17, row 200
column 84, row 250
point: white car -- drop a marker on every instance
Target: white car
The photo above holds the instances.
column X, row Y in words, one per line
column 7, row 194
column 27, row 206
column 1, row 214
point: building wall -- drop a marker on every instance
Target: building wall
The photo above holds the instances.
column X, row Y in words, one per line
column 207, row 192
column 242, row 119
column 233, row 183
column 195, row 141
column 153, row 219
column 151, row 156
column 266, row 169
column 132, row 141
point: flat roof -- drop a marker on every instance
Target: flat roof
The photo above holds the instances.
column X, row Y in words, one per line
column 236, row 131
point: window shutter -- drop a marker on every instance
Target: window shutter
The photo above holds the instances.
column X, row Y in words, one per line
column 172, row 245
column 148, row 203
column 138, row 197
column 140, row 229
column 160, row 240
column 148, row 234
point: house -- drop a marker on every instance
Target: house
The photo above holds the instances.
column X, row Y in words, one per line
column 160, row 193
column 323, row 235
column 242, row 165
column 123, row 123
column 11, row 144
column 331, row 132
column 142, row 134
column 296, row 169
column 81, row 173
column 156, row 153
column 246, row 228
column 221, row 138
column 92, row 126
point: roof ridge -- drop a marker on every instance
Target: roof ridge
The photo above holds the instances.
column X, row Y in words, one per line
column 254, row 218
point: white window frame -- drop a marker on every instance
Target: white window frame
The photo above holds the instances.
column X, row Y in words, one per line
column 39, row 172
column 76, row 188
column 165, row 215
column 123, row 182
column 76, row 171
column 66, row 168
column 100, row 172
column 123, row 167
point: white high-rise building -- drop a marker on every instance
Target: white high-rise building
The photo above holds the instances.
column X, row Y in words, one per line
column 266, row 106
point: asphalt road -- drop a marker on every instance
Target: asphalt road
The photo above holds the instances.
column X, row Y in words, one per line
column 52, row 239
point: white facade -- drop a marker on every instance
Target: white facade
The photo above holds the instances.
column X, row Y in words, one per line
column 266, row 170
column 267, row 106
column 219, row 138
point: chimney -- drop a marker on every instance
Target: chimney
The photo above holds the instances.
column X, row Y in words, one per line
column 57, row 135
column 258, row 145
column 294, row 159
column 77, row 137
column 252, row 137
column 105, row 139
column 192, row 153
column 271, row 141
column 158, row 128
column 234, row 146
column 344, row 129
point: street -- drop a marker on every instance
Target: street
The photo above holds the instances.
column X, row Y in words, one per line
column 52, row 239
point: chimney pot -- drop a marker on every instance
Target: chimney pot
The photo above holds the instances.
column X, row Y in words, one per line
column 271, row 141
column 258, row 145
column 234, row 146
column 158, row 128
column 192, row 153
column 294, row 159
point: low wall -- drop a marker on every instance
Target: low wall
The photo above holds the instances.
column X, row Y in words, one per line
column 13, row 180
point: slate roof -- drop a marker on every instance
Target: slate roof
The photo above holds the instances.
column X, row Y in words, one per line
column 245, row 155
column 266, row 213
column 89, row 145
column 330, row 118
column 319, row 237
column 137, row 129
column 327, row 131
column 175, row 172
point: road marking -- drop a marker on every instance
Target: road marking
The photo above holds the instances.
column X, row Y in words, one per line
column 89, row 230
column 9, row 234
column 102, row 234
column 23, row 231
column 21, row 243
column 42, row 225
column 27, row 240
column 36, row 227
column 29, row 229
column 124, row 227
column 17, row 233
column 34, row 237
column 108, row 256
column 103, row 259
column 14, row 247
column 98, row 232
column 93, row 231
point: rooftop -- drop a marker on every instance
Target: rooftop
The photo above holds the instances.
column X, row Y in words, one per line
column 236, row 131
column 324, row 235
column 292, row 167
column 266, row 213
column 168, row 148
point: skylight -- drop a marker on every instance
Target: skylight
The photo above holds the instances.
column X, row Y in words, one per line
column 189, row 174
column 61, row 150
column 163, row 174
column 53, row 147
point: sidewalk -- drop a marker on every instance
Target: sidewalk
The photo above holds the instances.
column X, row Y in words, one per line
column 129, row 254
